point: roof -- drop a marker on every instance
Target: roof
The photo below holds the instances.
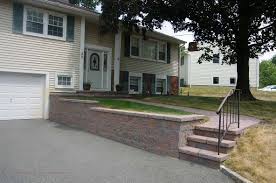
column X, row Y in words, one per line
column 66, row 7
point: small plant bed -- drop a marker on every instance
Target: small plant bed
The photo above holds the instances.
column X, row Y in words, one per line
column 130, row 106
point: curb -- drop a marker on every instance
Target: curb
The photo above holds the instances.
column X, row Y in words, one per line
column 233, row 175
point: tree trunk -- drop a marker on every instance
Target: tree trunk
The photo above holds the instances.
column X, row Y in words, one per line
column 243, row 51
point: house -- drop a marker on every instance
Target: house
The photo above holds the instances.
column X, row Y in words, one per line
column 52, row 46
column 212, row 73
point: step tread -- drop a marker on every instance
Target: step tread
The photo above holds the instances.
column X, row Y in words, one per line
column 212, row 129
column 211, row 141
column 210, row 155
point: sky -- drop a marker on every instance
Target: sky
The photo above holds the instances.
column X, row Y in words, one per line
column 188, row 36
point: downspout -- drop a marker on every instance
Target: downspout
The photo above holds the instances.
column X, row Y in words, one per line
column 82, row 46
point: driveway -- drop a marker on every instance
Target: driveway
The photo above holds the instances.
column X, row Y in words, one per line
column 40, row 151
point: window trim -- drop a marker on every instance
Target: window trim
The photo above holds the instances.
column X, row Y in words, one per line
column 163, row 77
column 46, row 14
column 213, row 80
column 140, row 75
column 141, row 43
column 63, row 86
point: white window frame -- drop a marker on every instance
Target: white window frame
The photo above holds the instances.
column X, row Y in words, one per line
column 218, row 58
column 141, row 43
column 164, row 77
column 46, row 14
column 140, row 75
column 63, row 86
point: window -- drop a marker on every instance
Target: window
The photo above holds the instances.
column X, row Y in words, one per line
column 216, row 58
column 162, row 51
column 215, row 80
column 182, row 60
column 55, row 26
column 232, row 81
column 135, row 84
column 135, row 44
column 64, row 81
column 150, row 49
column 34, row 21
column 42, row 23
column 182, row 82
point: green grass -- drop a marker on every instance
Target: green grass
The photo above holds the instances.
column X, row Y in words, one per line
column 265, row 110
column 132, row 106
column 255, row 155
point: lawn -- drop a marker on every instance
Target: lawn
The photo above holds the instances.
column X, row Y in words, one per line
column 255, row 155
column 132, row 106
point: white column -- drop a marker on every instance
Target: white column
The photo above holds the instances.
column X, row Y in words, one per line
column 117, row 58
column 82, row 45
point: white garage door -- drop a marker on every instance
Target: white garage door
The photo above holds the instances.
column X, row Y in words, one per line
column 21, row 96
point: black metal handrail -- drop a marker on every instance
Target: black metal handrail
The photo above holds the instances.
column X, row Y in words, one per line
column 229, row 113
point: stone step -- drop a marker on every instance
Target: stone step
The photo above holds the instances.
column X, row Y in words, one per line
column 209, row 143
column 213, row 132
column 205, row 157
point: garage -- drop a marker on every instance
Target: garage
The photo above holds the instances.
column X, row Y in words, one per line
column 21, row 95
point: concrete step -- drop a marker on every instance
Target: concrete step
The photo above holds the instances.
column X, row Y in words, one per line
column 205, row 157
column 210, row 144
column 213, row 132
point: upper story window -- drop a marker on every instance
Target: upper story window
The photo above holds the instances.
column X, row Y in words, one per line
column 55, row 26
column 135, row 46
column 34, row 22
column 148, row 49
column 44, row 23
column 162, row 51
column 216, row 58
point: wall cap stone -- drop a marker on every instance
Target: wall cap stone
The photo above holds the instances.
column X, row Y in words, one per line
column 167, row 117
column 79, row 101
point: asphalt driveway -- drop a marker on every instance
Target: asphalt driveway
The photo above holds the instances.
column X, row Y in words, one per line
column 40, row 151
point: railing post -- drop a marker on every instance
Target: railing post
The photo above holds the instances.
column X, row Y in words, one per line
column 219, row 132
column 239, row 98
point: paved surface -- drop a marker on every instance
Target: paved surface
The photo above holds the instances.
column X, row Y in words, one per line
column 39, row 151
column 245, row 121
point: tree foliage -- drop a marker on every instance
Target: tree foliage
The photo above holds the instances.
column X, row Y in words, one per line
column 273, row 60
column 90, row 4
column 267, row 73
column 240, row 28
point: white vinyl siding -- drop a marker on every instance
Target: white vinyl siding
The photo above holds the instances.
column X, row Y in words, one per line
column 30, row 53
column 139, row 65
column 202, row 74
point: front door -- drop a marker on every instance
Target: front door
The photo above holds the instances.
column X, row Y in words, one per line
column 97, row 68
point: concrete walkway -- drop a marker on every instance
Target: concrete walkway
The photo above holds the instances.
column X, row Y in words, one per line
column 245, row 121
column 39, row 151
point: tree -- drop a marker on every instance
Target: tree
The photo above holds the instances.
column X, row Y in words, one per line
column 90, row 4
column 240, row 28
column 273, row 60
column 267, row 73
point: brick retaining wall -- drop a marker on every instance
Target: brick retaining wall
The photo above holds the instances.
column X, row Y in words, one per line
column 160, row 136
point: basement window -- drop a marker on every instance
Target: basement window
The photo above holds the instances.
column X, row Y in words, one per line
column 215, row 80
column 64, row 81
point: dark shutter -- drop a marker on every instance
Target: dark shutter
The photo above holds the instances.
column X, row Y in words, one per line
column 124, row 80
column 168, row 53
column 17, row 18
column 70, row 28
column 168, row 85
column 127, row 45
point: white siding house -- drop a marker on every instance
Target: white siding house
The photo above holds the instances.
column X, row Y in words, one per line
column 213, row 73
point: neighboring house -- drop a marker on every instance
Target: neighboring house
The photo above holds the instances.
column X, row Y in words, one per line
column 52, row 46
column 212, row 73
